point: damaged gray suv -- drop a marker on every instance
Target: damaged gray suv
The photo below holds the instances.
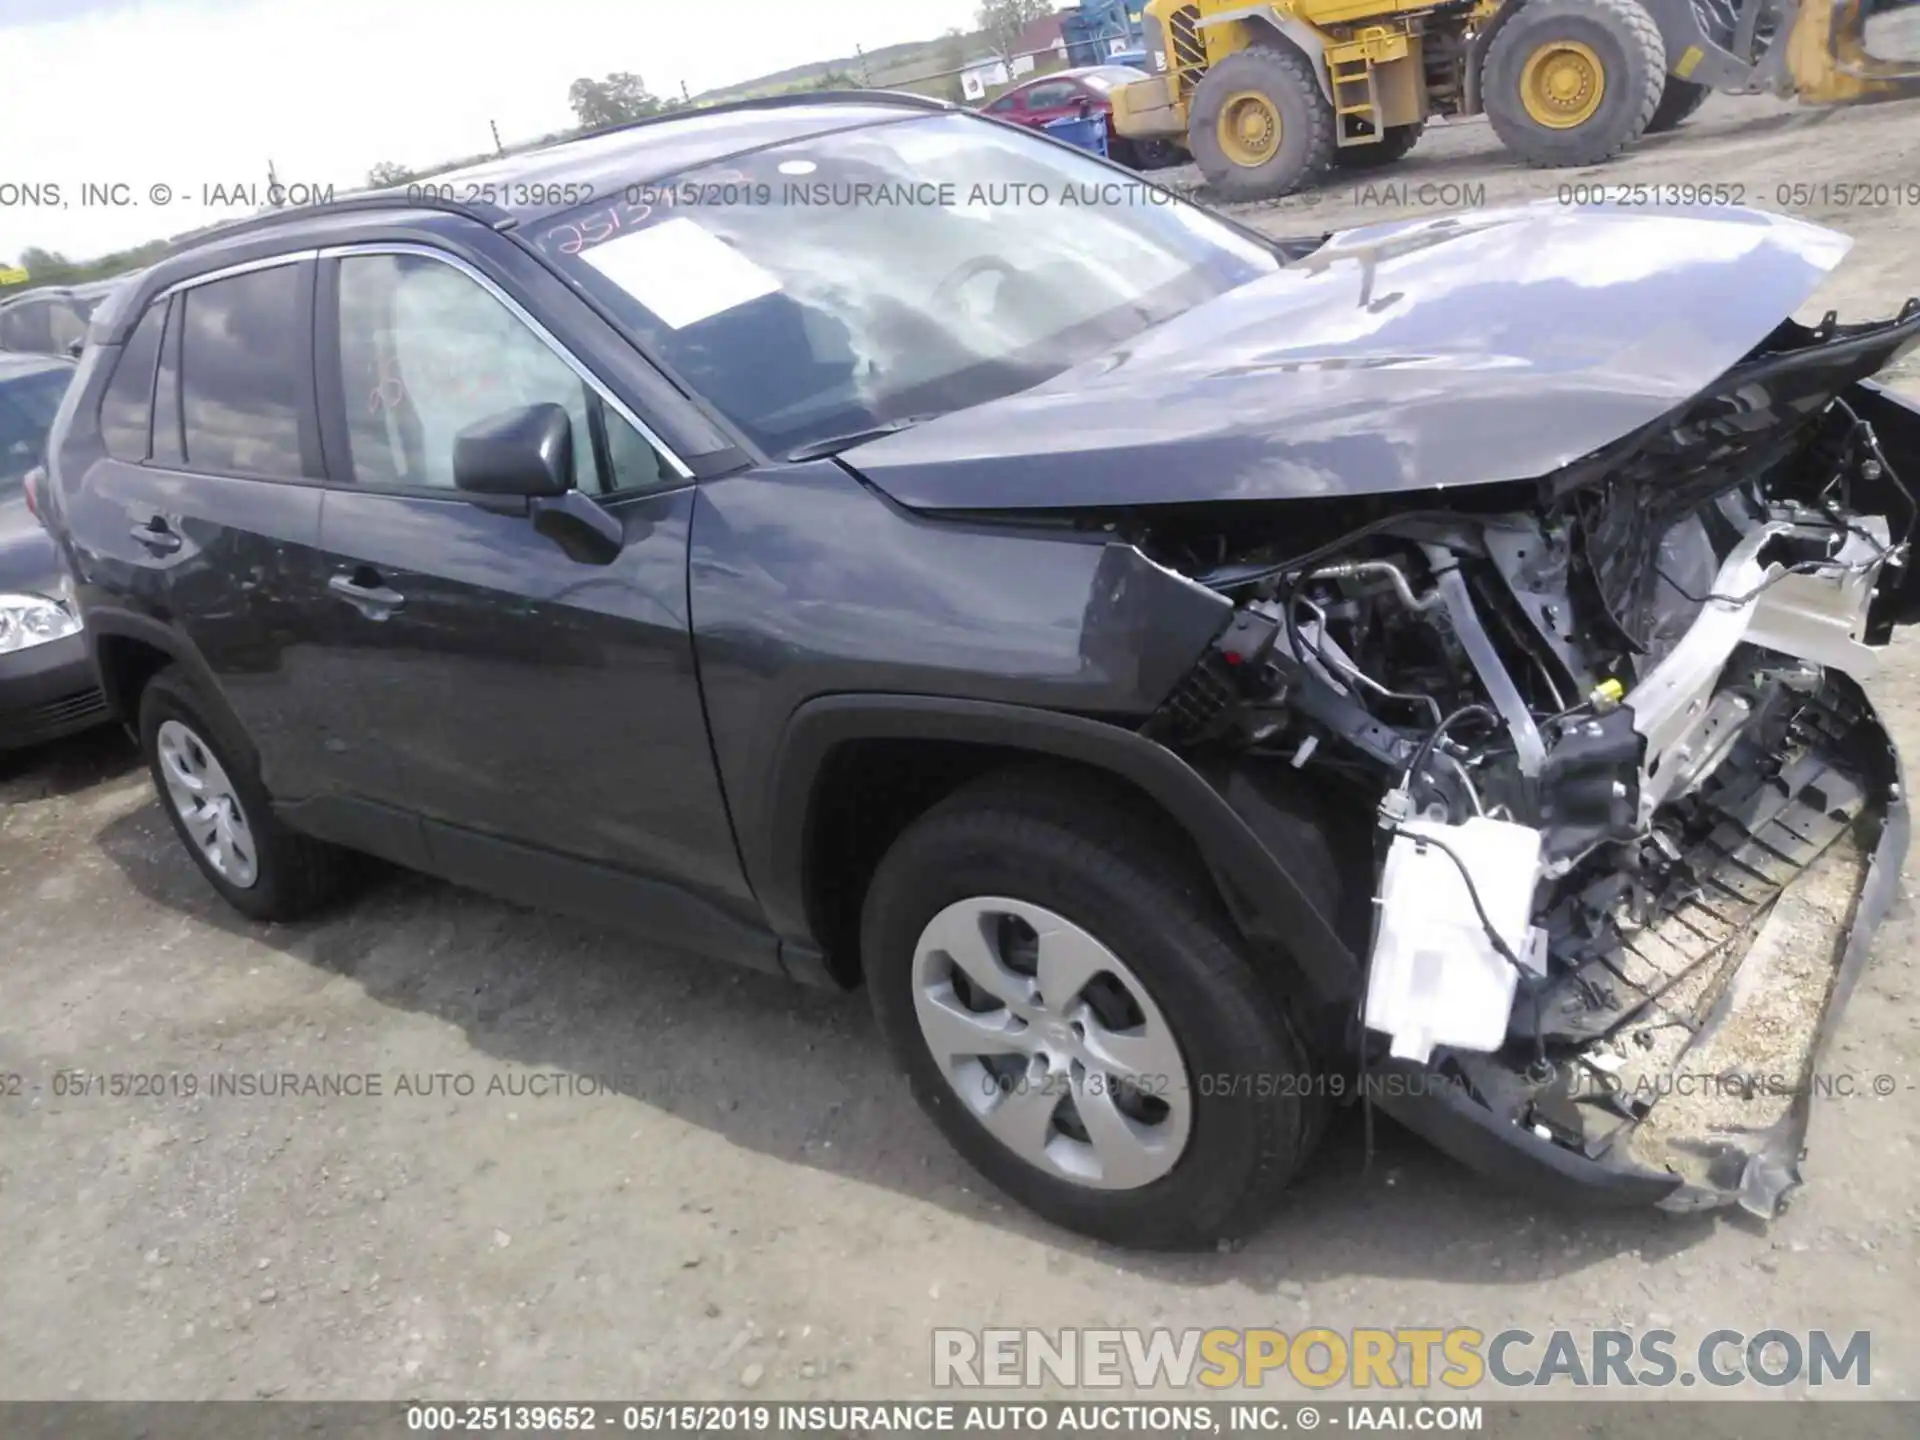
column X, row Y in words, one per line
column 1190, row 680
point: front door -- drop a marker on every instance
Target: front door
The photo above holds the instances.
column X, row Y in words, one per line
column 512, row 692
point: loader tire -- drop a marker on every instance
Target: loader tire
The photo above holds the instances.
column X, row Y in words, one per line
column 1677, row 102
column 1574, row 82
column 1260, row 126
column 1392, row 146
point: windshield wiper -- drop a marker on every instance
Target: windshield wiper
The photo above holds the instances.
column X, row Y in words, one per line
column 834, row 444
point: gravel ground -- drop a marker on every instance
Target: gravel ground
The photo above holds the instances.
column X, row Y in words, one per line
column 744, row 1199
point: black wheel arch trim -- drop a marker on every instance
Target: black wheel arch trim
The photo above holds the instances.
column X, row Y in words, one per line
column 109, row 623
column 1264, row 895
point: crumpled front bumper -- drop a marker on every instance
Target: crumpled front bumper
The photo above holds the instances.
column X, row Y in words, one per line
column 1473, row 1107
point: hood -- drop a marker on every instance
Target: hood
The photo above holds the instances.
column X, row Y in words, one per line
column 28, row 560
column 1498, row 345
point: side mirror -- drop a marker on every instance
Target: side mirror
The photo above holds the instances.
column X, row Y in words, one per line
column 527, row 453
column 1085, row 107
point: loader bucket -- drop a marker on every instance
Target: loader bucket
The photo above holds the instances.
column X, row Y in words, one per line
column 1846, row 50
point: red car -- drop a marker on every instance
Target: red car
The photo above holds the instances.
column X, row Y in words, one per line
column 1069, row 94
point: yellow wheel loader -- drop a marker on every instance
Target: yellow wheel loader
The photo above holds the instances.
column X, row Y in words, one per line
column 1270, row 95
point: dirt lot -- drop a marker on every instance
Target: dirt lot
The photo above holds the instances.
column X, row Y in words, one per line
column 750, row 1202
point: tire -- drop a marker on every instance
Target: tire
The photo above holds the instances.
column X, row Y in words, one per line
column 1063, row 852
column 1303, row 150
column 1677, row 104
column 1394, row 146
column 1613, row 42
column 1146, row 155
column 286, row 875
column 1158, row 154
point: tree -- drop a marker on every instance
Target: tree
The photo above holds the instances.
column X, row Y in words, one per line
column 832, row 79
column 619, row 98
column 1002, row 21
column 386, row 175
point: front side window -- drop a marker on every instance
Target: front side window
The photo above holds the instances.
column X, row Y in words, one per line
column 1050, row 96
column 426, row 352
column 126, row 410
column 28, row 404
column 882, row 274
column 67, row 327
column 243, row 378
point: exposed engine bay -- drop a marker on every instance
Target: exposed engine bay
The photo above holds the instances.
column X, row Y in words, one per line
column 1632, row 815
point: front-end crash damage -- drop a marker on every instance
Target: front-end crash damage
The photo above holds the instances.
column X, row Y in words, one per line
column 1633, row 818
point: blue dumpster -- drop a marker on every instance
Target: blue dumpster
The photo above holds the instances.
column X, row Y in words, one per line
column 1087, row 132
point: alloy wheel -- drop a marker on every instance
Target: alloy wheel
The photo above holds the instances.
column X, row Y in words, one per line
column 1052, row 1042
column 208, row 806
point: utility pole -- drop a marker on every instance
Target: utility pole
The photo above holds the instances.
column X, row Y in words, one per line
column 273, row 185
column 494, row 125
column 866, row 80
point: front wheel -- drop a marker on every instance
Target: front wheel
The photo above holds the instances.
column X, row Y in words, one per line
column 1573, row 82
column 1079, row 1018
column 1260, row 126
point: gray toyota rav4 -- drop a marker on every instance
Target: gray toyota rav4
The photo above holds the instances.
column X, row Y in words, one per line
column 1191, row 680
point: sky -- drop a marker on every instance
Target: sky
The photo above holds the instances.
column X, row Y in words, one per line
column 155, row 101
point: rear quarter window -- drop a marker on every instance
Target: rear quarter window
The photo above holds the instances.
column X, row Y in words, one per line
column 126, row 409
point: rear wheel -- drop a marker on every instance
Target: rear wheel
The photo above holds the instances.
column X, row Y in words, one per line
column 1149, row 154
column 1260, row 126
column 208, row 786
column 1574, row 82
column 1079, row 1018
column 1677, row 103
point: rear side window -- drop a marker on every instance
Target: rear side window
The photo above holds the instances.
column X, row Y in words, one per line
column 126, row 410
column 26, row 327
column 243, row 379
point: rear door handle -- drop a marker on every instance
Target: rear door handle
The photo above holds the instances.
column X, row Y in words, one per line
column 363, row 590
column 157, row 536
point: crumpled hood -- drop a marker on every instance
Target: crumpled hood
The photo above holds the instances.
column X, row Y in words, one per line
column 1496, row 345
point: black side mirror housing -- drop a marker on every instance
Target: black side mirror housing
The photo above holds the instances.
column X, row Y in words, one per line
column 526, row 453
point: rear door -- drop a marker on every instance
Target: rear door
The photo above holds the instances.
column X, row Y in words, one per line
column 211, row 495
column 515, row 696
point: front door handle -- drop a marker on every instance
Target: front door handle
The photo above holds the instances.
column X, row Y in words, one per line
column 363, row 590
column 157, row 536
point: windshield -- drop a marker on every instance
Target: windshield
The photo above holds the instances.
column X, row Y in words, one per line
column 854, row 280
column 27, row 407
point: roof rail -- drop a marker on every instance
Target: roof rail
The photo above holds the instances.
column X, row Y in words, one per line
column 498, row 217
column 495, row 216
